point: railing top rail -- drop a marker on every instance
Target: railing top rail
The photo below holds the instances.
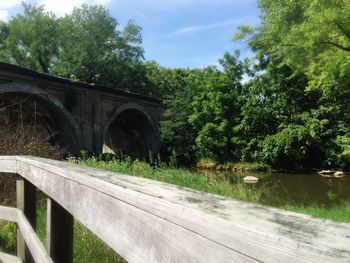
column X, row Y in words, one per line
column 150, row 221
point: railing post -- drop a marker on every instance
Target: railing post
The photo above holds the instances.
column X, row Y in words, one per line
column 59, row 233
column 26, row 201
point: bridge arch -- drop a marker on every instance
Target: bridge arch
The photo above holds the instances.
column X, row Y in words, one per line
column 52, row 115
column 131, row 131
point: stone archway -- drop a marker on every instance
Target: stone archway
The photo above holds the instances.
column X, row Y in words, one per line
column 131, row 131
column 45, row 115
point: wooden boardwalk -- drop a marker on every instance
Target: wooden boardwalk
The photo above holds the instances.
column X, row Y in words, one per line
column 150, row 221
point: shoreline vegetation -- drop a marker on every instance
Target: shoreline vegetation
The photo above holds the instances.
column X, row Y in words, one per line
column 208, row 164
column 242, row 167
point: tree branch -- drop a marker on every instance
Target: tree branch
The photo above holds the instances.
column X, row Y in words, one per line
column 335, row 45
column 342, row 29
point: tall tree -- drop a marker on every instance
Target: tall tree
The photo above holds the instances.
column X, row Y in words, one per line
column 310, row 36
column 94, row 50
column 86, row 45
column 312, row 39
column 30, row 39
column 217, row 107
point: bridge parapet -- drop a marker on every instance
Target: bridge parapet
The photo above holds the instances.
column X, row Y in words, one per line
column 150, row 221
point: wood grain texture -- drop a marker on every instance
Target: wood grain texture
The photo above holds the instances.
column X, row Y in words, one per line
column 8, row 214
column 6, row 258
column 7, row 164
column 26, row 202
column 34, row 244
column 149, row 221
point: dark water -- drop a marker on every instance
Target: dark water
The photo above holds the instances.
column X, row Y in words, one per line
column 305, row 189
column 283, row 189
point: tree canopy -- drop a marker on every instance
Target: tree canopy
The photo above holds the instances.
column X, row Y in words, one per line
column 86, row 45
column 310, row 36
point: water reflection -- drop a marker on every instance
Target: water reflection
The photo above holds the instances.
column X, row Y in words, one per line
column 303, row 189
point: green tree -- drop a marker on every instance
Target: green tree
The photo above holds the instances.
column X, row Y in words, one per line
column 30, row 39
column 86, row 45
column 93, row 50
column 217, row 107
column 175, row 87
column 164, row 82
column 310, row 36
column 303, row 48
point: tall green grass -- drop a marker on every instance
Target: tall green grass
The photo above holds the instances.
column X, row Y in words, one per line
column 232, row 166
column 182, row 177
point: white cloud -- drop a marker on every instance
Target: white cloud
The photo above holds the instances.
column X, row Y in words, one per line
column 194, row 29
column 4, row 15
column 6, row 4
column 63, row 7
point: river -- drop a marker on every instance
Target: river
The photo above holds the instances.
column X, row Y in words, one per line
column 280, row 189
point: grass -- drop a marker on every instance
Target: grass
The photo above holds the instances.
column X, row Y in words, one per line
column 218, row 184
column 340, row 213
column 210, row 164
column 7, row 237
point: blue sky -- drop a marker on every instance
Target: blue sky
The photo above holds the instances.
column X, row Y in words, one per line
column 176, row 33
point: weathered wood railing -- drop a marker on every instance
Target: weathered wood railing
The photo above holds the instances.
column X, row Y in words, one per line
column 148, row 221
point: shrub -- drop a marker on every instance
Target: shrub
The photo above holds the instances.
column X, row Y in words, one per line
column 288, row 148
column 19, row 134
column 343, row 142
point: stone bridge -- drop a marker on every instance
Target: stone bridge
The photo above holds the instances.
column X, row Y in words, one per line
column 80, row 116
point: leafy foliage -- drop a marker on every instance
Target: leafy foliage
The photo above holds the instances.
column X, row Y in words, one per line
column 86, row 45
column 30, row 39
column 216, row 108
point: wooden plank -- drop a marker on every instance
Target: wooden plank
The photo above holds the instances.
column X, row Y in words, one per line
column 136, row 235
column 157, row 222
column 6, row 258
column 59, row 233
column 8, row 214
column 7, row 164
column 26, row 202
column 34, row 244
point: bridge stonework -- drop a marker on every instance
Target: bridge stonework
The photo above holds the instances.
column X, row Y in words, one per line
column 87, row 117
